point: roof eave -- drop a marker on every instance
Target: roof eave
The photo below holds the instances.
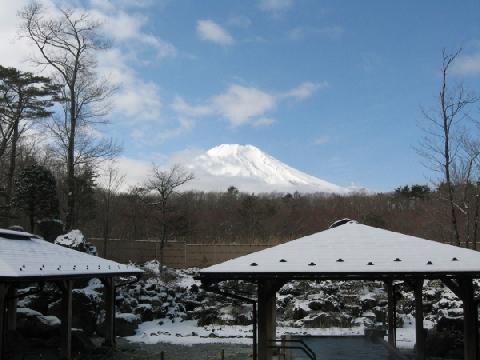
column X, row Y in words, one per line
column 29, row 278
column 222, row 276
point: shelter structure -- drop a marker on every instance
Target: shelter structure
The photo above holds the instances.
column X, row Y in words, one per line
column 25, row 259
column 352, row 251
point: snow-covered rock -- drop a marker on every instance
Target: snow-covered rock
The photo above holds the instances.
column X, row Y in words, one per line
column 77, row 241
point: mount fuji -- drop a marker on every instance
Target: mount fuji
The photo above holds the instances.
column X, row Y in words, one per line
column 251, row 170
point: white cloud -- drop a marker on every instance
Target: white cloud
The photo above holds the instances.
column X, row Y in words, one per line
column 305, row 90
column 209, row 30
column 136, row 99
column 184, row 125
column 182, row 107
column 275, row 5
column 136, row 171
column 127, row 29
column 467, row 64
column 242, row 105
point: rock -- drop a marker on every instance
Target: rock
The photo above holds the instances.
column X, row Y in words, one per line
column 31, row 323
column 368, row 302
column 326, row 320
column 145, row 311
column 85, row 314
column 207, row 316
column 126, row 324
column 298, row 313
column 445, row 323
column 325, row 305
column 380, row 314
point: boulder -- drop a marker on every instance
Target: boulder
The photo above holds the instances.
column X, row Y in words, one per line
column 326, row 320
column 145, row 311
column 126, row 324
column 326, row 305
column 31, row 323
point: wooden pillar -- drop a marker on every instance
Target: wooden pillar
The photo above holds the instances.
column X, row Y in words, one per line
column 109, row 295
column 66, row 334
column 391, row 313
column 266, row 319
column 470, row 313
column 12, row 308
column 3, row 294
column 419, row 332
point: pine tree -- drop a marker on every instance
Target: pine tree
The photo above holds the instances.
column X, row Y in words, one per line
column 36, row 194
column 24, row 98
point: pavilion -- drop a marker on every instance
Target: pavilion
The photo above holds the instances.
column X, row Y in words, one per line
column 351, row 251
column 25, row 259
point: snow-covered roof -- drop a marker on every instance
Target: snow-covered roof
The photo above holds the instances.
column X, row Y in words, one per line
column 351, row 249
column 23, row 255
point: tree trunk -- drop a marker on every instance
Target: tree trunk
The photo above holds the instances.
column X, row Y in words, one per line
column 446, row 154
column 70, row 217
column 11, row 172
column 475, row 218
column 164, row 234
column 106, row 229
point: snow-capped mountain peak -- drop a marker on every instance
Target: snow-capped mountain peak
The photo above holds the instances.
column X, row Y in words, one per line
column 250, row 169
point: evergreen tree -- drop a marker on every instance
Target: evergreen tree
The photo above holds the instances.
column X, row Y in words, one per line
column 24, row 97
column 36, row 194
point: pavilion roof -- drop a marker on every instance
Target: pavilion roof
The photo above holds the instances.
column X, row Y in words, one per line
column 24, row 256
column 351, row 250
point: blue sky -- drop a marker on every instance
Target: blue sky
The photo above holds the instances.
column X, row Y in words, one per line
column 333, row 88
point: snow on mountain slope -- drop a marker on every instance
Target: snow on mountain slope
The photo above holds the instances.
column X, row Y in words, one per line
column 250, row 169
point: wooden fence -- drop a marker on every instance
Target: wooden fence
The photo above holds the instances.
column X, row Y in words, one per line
column 177, row 254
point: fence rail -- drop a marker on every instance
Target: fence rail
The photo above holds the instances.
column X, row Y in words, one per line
column 176, row 254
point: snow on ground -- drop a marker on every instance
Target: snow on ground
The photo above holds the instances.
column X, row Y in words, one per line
column 406, row 335
column 189, row 333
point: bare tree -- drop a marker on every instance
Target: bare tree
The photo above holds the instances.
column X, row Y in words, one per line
column 442, row 141
column 112, row 181
column 67, row 44
column 165, row 183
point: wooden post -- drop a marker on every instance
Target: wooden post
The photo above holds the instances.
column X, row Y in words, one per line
column 109, row 294
column 470, row 313
column 12, row 308
column 3, row 294
column 66, row 287
column 419, row 332
column 391, row 313
column 266, row 319
column 254, row 332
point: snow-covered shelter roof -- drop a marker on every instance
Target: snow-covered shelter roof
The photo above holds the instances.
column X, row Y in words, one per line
column 24, row 256
column 350, row 251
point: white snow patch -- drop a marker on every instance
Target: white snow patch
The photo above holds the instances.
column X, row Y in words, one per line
column 189, row 333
